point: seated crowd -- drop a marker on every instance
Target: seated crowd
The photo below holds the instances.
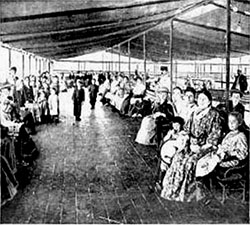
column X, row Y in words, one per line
column 24, row 104
column 195, row 138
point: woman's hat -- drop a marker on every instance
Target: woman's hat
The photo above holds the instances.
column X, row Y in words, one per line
column 163, row 89
column 237, row 92
column 178, row 119
column 207, row 93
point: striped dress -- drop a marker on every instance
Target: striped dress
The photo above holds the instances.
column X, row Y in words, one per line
column 235, row 146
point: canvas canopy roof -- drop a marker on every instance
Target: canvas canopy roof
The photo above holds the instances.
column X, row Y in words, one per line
column 61, row 29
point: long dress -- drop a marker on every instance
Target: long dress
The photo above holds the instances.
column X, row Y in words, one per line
column 8, row 182
column 179, row 183
column 233, row 150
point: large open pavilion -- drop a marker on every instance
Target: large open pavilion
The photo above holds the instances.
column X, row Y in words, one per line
column 95, row 172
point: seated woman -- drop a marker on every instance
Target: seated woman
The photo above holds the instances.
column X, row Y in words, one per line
column 232, row 151
column 8, row 116
column 204, row 131
column 175, row 140
column 189, row 105
column 104, row 89
column 25, row 147
column 178, row 102
column 162, row 113
column 114, row 86
column 122, row 93
column 8, row 148
column 138, row 93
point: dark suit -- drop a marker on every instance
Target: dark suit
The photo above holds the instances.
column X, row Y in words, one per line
column 163, row 123
column 93, row 90
column 78, row 97
column 242, row 81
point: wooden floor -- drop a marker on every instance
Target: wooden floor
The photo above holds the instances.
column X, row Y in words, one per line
column 95, row 173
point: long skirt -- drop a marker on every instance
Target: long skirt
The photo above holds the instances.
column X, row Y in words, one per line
column 8, row 151
column 8, row 182
column 147, row 132
column 180, row 183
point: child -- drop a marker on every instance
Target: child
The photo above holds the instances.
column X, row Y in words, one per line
column 175, row 140
column 78, row 98
column 93, row 90
column 233, row 149
column 43, row 107
column 54, row 105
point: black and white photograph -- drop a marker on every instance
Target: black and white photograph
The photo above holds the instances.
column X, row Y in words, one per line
column 124, row 111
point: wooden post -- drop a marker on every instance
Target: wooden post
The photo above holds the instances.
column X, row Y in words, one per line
column 29, row 64
column 228, row 48
column 144, row 57
column 176, row 74
column 119, row 56
column 36, row 65
column 9, row 57
column 23, row 66
column 171, row 56
column 49, row 66
column 221, row 67
column 112, row 59
column 129, row 59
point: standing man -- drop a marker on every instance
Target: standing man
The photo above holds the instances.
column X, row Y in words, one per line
column 78, row 98
column 93, row 90
column 240, row 82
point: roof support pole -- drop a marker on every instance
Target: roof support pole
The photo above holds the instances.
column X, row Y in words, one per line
column 228, row 48
column 171, row 55
column 221, row 73
column 36, row 67
column 9, row 57
column 29, row 64
column 129, row 59
column 119, row 57
column 23, row 61
column 144, row 57
column 112, row 64
column 102, row 63
column 49, row 66
column 40, row 66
